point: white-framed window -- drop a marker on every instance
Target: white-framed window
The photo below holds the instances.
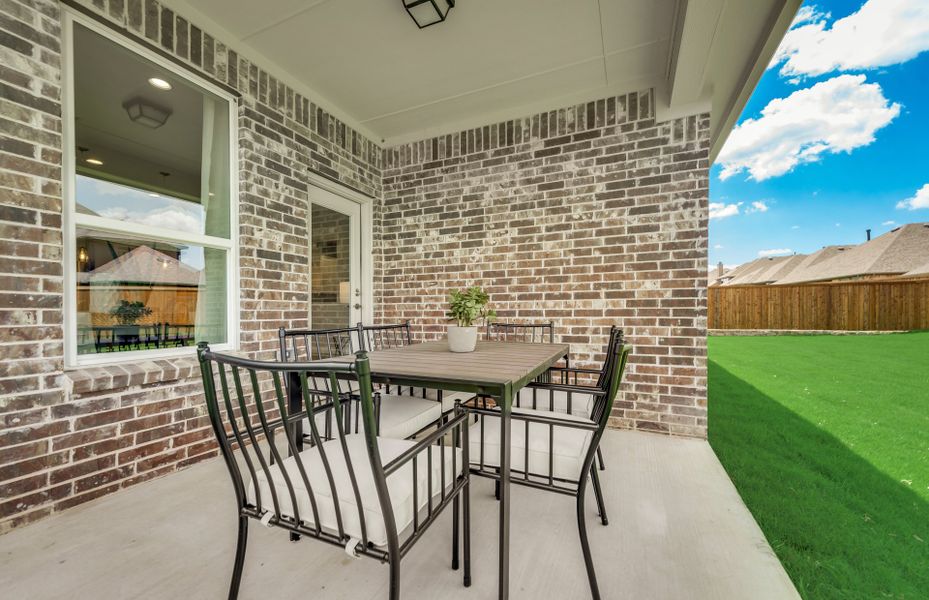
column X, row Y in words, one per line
column 150, row 248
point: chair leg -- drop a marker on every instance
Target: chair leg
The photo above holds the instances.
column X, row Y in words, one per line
column 585, row 546
column 239, row 558
column 455, row 527
column 394, row 565
column 600, row 459
column 598, row 492
column 466, row 534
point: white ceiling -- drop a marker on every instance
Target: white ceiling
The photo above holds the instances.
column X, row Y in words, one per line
column 368, row 63
column 130, row 150
column 368, row 58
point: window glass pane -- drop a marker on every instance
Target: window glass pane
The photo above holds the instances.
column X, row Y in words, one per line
column 116, row 201
column 151, row 147
column 140, row 294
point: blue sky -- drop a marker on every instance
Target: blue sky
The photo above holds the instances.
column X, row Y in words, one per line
column 838, row 85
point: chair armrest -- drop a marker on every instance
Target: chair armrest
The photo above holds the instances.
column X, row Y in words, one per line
column 575, row 370
column 563, row 387
column 424, row 443
column 536, row 418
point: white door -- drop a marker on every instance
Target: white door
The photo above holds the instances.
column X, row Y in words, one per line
column 335, row 260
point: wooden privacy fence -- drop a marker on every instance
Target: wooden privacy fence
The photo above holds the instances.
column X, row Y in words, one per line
column 875, row 305
column 170, row 304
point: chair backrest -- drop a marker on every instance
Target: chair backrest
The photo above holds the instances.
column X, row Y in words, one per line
column 614, row 366
column 250, row 412
column 615, row 338
column 304, row 345
column 382, row 337
column 258, row 410
column 521, row 332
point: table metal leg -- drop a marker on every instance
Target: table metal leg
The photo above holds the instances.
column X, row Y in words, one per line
column 295, row 405
column 506, row 404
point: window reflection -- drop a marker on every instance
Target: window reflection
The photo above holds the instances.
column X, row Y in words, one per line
column 141, row 295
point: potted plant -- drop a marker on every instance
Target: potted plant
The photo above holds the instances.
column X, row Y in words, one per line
column 467, row 308
column 128, row 314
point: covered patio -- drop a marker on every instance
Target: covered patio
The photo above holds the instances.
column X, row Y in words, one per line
column 678, row 529
column 233, row 173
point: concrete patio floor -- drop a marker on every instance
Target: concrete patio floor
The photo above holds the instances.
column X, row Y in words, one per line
column 678, row 529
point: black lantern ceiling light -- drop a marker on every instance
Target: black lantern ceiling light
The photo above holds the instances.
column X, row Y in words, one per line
column 428, row 12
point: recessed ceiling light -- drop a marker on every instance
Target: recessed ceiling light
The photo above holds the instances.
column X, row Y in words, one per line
column 94, row 161
column 159, row 83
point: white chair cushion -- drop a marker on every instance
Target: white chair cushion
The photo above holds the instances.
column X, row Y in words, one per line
column 399, row 484
column 448, row 398
column 401, row 417
column 582, row 405
column 569, row 444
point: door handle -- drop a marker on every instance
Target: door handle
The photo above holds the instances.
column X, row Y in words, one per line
column 356, row 306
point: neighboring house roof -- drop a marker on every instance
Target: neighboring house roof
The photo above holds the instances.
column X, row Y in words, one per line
column 813, row 263
column 756, row 271
column 894, row 253
column 921, row 271
column 773, row 269
column 143, row 265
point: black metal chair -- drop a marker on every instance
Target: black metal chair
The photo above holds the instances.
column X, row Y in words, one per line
column 537, row 333
column 554, row 451
column 398, row 416
column 370, row 495
column 560, row 401
column 177, row 334
column 384, row 337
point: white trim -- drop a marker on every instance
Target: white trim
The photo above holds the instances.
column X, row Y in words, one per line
column 140, row 230
column 71, row 219
column 366, row 246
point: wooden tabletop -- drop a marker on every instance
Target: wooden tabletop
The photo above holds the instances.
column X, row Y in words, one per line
column 492, row 365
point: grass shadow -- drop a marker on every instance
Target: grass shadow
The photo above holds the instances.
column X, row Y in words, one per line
column 842, row 528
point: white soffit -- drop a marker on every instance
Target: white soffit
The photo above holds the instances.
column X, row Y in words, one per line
column 367, row 63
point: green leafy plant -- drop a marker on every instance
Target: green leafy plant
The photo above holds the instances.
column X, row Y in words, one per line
column 130, row 313
column 466, row 307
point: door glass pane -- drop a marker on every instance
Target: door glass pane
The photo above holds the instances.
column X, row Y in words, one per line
column 331, row 295
column 135, row 294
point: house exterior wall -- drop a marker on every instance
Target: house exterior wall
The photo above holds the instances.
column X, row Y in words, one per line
column 588, row 216
column 71, row 436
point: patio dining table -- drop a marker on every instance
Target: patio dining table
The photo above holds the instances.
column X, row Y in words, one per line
column 495, row 369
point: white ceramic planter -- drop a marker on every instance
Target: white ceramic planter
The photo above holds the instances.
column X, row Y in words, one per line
column 462, row 339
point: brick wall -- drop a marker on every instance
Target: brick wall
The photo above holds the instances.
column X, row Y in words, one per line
column 70, row 436
column 586, row 216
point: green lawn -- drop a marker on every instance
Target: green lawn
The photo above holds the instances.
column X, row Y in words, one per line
column 827, row 441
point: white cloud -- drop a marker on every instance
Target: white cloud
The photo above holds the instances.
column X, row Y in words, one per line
column 808, row 13
column 758, row 206
column 836, row 115
column 168, row 218
column 881, row 33
column 718, row 247
column 775, row 252
column 888, row 223
column 720, row 210
column 919, row 200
